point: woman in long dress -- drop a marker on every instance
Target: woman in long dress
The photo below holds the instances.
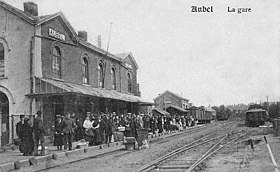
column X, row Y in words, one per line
column 97, row 133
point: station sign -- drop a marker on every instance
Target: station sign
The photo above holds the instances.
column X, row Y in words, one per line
column 56, row 34
column 128, row 66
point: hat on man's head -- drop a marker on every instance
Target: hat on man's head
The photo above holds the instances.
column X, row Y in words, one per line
column 21, row 116
column 59, row 116
column 39, row 112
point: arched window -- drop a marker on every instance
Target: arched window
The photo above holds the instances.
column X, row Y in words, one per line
column 129, row 83
column 56, row 62
column 100, row 75
column 113, row 78
column 2, row 58
column 85, row 70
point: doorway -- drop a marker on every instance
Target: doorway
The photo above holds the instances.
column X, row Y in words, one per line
column 4, row 118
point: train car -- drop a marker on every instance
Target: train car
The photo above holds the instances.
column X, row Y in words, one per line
column 255, row 117
column 222, row 116
column 202, row 114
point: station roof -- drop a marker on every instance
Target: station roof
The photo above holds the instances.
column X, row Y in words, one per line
column 61, row 87
column 163, row 112
column 177, row 108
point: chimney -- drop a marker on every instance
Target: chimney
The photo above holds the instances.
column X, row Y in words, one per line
column 30, row 8
column 99, row 44
column 83, row 35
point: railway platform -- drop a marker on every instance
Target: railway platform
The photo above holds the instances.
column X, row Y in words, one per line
column 12, row 159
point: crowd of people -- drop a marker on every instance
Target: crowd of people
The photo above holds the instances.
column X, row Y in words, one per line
column 95, row 129
column 104, row 128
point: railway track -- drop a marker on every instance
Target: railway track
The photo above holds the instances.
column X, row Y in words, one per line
column 121, row 152
column 183, row 133
column 187, row 158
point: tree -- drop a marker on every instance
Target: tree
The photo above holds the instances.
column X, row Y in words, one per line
column 273, row 111
column 222, row 109
column 255, row 106
column 278, row 109
column 216, row 108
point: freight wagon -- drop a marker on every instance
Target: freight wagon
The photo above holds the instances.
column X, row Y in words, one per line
column 201, row 114
column 222, row 116
column 256, row 117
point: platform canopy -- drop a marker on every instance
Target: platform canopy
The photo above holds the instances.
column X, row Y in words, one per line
column 162, row 112
column 177, row 108
column 47, row 87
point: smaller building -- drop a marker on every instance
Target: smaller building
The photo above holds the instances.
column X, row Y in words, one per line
column 172, row 103
column 210, row 112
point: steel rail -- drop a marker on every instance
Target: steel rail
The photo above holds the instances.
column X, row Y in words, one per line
column 210, row 154
column 188, row 131
column 177, row 151
column 205, row 154
column 182, row 133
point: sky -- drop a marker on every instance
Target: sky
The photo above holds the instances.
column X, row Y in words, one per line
column 210, row 58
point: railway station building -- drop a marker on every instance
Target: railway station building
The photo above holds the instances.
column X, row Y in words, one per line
column 46, row 65
column 172, row 103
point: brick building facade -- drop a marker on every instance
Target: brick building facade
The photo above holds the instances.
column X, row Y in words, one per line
column 45, row 65
column 172, row 103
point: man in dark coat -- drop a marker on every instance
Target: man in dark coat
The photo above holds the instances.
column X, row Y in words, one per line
column 68, row 131
column 153, row 124
column 103, row 126
column 24, row 132
column 19, row 126
column 27, row 138
column 159, row 124
column 39, row 132
column 59, row 135
column 108, row 129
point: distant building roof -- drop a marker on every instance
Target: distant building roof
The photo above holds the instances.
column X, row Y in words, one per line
column 209, row 109
column 255, row 110
column 177, row 95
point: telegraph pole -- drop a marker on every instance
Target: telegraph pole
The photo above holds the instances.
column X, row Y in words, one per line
column 105, row 61
column 267, row 105
column 109, row 37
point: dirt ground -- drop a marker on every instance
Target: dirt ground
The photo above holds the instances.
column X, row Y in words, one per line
column 240, row 157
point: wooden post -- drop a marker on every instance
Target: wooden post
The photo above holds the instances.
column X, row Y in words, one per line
column 271, row 155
